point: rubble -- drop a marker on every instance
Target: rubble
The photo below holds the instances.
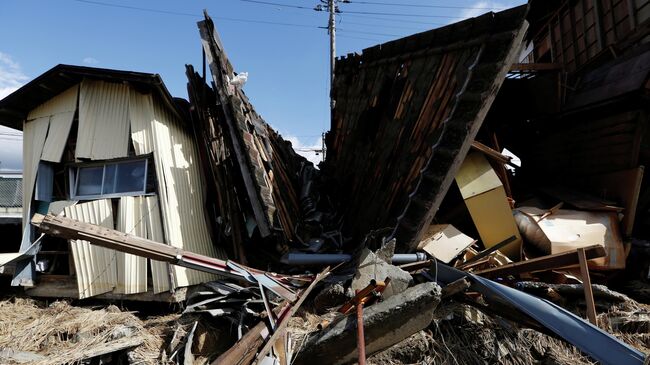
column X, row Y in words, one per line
column 421, row 238
column 385, row 324
column 372, row 267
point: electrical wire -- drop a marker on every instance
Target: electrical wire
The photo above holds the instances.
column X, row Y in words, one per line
column 92, row 2
column 422, row 5
column 351, row 12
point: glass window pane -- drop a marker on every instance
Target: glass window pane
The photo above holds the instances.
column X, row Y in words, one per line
column 90, row 180
column 130, row 177
column 109, row 179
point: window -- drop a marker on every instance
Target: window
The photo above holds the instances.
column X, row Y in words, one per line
column 106, row 180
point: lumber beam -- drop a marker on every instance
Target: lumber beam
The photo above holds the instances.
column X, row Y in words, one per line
column 544, row 263
column 586, row 283
column 68, row 228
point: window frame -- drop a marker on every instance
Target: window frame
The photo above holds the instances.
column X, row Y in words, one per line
column 73, row 178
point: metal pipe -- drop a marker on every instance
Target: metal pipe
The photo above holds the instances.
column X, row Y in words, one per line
column 361, row 339
column 407, row 258
column 307, row 259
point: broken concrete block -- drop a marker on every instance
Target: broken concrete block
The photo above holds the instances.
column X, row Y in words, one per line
column 371, row 267
column 385, row 324
column 332, row 296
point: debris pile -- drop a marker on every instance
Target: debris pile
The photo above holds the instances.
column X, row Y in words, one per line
column 470, row 209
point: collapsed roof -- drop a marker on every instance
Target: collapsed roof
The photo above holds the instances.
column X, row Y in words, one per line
column 406, row 113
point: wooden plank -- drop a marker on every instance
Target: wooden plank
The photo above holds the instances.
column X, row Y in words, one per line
column 64, row 286
column 286, row 315
column 586, row 283
column 545, row 263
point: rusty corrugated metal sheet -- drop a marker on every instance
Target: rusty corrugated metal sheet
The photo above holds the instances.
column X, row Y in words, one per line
column 95, row 267
column 406, row 113
column 103, row 131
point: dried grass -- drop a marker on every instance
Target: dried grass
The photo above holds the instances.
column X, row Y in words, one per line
column 62, row 332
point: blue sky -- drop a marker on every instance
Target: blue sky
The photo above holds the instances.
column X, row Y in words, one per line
column 287, row 64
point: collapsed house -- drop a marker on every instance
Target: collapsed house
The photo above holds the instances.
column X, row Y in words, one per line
column 111, row 148
column 415, row 162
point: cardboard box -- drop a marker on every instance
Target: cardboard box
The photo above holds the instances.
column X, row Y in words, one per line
column 571, row 229
column 445, row 242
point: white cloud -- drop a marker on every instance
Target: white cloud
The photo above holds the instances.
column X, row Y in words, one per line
column 307, row 150
column 11, row 75
column 482, row 7
column 90, row 61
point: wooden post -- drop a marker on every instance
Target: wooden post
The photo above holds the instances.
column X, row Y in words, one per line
column 586, row 283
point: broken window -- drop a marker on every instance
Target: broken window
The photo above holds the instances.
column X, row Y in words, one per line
column 109, row 179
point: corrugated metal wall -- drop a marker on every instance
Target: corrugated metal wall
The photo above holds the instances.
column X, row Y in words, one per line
column 61, row 111
column 180, row 187
column 110, row 113
column 34, row 133
column 103, row 120
column 132, row 269
column 96, row 267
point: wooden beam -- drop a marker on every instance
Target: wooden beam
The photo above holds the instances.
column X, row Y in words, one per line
column 65, row 286
column 586, row 283
column 544, row 263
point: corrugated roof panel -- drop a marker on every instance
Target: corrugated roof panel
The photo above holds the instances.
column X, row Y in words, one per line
column 103, row 120
column 34, row 133
column 159, row 270
column 62, row 103
column 96, row 267
column 181, row 193
column 141, row 116
column 132, row 269
column 57, row 136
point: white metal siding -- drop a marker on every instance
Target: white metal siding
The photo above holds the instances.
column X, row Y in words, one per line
column 57, row 136
column 96, row 267
column 181, row 194
column 132, row 269
column 60, row 111
column 62, row 103
column 160, row 271
column 141, row 117
column 34, row 133
column 103, row 120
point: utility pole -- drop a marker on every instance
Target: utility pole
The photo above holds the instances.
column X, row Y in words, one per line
column 331, row 6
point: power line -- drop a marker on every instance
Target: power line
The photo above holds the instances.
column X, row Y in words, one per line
column 422, row 5
column 194, row 15
column 402, row 14
column 382, row 25
column 219, row 17
column 351, row 12
column 397, row 20
column 137, row 8
column 369, row 33
column 278, row 4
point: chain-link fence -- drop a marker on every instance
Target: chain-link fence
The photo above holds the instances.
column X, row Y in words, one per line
column 11, row 192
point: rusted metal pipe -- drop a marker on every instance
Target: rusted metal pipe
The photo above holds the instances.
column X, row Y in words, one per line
column 361, row 340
